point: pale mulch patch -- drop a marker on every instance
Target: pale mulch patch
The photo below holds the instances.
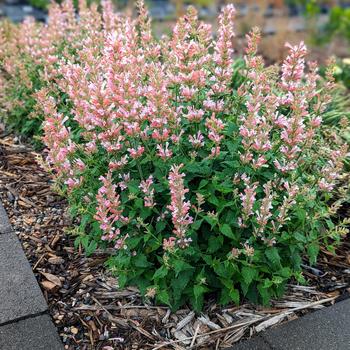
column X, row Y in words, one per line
column 89, row 310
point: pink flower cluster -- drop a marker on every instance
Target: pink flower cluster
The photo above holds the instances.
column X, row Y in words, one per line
column 248, row 198
column 148, row 191
column 178, row 207
column 330, row 172
column 109, row 211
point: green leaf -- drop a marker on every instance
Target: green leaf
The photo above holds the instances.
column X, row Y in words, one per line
column 91, row 248
column 264, row 293
column 245, row 288
column 198, row 292
column 134, row 241
column 227, row 231
column 212, row 199
column 160, row 273
column 274, row 257
column 207, row 258
column 277, row 280
column 85, row 240
column 203, row 183
column 234, row 295
column 300, row 278
column 312, row 251
column 299, row 237
column 295, row 257
column 248, row 274
column 198, row 169
column 180, row 283
column 224, row 297
column 232, row 147
column 160, row 226
column 180, row 265
column 210, row 220
column 285, row 272
column 267, row 283
column 85, row 219
column 163, row 297
column 141, row 261
column 225, row 271
column 227, row 282
column 141, row 282
column 215, row 243
column 197, row 224
column 122, row 279
column 301, row 213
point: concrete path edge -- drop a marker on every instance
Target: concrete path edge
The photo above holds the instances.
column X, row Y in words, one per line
column 24, row 320
column 325, row 329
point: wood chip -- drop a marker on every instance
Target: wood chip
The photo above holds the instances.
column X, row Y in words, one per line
column 49, row 286
column 56, row 260
column 185, row 321
column 52, row 278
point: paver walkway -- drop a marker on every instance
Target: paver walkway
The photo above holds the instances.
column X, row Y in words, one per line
column 326, row 329
column 24, row 322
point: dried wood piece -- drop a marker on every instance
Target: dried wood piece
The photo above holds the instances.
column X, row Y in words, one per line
column 52, row 278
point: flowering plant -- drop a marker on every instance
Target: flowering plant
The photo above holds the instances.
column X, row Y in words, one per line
column 30, row 58
column 200, row 174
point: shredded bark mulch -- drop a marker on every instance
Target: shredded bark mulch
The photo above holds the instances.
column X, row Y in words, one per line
column 89, row 310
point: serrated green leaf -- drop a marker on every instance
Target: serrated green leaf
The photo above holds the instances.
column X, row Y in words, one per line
column 285, row 272
column 277, row 280
column 198, row 292
column 248, row 274
column 122, row 279
column 180, row 283
column 245, row 288
column 227, row 231
column 214, row 243
column 134, row 241
column 140, row 261
column 299, row 237
column 163, row 297
column 274, row 257
column 234, row 295
column 160, row 226
column 180, row 265
column 160, row 273
column 203, row 183
column 91, row 248
column 225, row 271
column 197, row 224
column 264, row 294
column 312, row 251
column 224, row 297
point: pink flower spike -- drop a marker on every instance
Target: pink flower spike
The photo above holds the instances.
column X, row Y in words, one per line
column 179, row 207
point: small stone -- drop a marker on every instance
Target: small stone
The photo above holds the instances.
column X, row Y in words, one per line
column 10, row 196
column 74, row 330
column 56, row 260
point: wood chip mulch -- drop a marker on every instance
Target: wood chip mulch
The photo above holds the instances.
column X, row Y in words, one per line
column 90, row 312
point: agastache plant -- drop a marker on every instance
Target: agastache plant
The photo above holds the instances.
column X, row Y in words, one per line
column 200, row 171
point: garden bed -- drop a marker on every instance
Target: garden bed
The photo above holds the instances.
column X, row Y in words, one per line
column 89, row 310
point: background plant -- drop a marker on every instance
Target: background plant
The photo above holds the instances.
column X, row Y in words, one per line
column 30, row 59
